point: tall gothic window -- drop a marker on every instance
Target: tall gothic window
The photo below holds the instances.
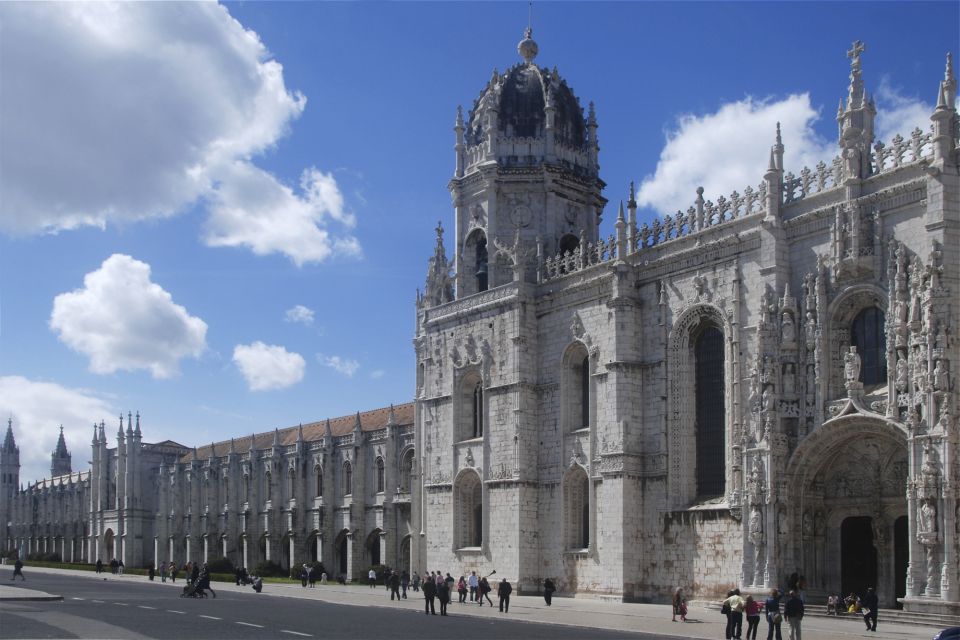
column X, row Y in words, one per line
column 576, row 493
column 470, row 407
column 469, row 510
column 266, row 486
column 381, row 480
column 482, row 267
column 293, row 484
column 477, row 410
column 708, row 353
column 585, row 391
column 226, row 490
column 867, row 334
column 347, row 479
column 575, row 388
column 406, row 471
column 319, row 482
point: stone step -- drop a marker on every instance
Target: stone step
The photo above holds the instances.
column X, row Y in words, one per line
column 937, row 620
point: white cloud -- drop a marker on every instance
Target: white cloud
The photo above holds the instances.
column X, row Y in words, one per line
column 127, row 111
column 267, row 367
column 301, row 314
column 251, row 208
column 377, row 374
column 38, row 409
column 122, row 321
column 898, row 114
column 730, row 149
column 345, row 366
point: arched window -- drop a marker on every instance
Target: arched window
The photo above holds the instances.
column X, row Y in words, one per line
column 319, row 473
column 226, row 490
column 469, row 510
column 481, row 262
column 569, row 244
column 293, row 484
column 381, row 480
column 266, row 486
column 576, row 490
column 478, row 410
column 347, row 479
column 585, row 391
column 406, row 471
column 246, row 488
column 867, row 334
column 708, row 353
column 575, row 388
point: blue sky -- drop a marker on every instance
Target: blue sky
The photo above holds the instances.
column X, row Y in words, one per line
column 178, row 180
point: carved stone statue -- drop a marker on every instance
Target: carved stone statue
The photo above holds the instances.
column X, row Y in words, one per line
column 769, row 402
column 851, row 366
column 903, row 374
column 811, row 329
column 931, row 462
column 788, row 330
column 941, row 379
column 754, row 391
column 756, row 526
column 811, row 379
column 927, row 517
column 789, row 379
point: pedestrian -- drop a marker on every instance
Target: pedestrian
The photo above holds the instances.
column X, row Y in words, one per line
column 752, row 610
column 203, row 581
column 18, row 570
column 677, row 601
column 113, row 566
column 311, row 577
column 774, row 619
column 372, row 578
column 120, row 567
column 151, row 573
column 504, row 591
column 257, row 584
column 443, row 595
column 394, row 582
column 416, row 581
column 832, row 601
column 195, row 573
column 484, row 589
column 734, row 603
column 793, row 612
column 404, row 583
column 163, row 572
column 236, row 576
column 429, row 593
column 473, row 582
column 868, row 606
column 173, row 571
column 462, row 589
column 99, row 565
column 548, row 589
column 303, row 575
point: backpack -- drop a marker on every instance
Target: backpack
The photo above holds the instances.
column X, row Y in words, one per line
column 725, row 609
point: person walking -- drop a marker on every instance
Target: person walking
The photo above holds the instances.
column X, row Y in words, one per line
column 504, row 591
column 429, row 593
column 195, row 573
column 752, row 610
column 404, row 583
column 734, row 604
column 303, row 576
column 173, row 571
column 416, row 582
column 484, row 589
column 548, row 589
column 394, row 586
column 462, row 589
column 793, row 612
column 151, row 573
column 311, row 577
column 120, row 567
column 443, row 595
column 163, row 572
column 677, row 601
column 868, row 606
column 473, row 582
column 18, row 570
column 99, row 565
column 772, row 611
column 372, row 578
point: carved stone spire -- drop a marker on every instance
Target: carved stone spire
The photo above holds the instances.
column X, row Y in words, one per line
column 9, row 443
column 328, row 433
column 136, row 432
column 856, row 91
column 439, row 285
column 855, row 122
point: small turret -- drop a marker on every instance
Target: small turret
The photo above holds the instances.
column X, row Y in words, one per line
column 944, row 117
column 60, row 458
column 439, row 285
column 855, row 122
column 9, row 443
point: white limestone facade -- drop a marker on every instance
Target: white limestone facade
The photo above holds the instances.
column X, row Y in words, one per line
column 759, row 386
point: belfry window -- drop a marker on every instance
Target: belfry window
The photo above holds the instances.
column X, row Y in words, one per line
column 482, row 265
column 867, row 334
column 710, row 425
column 477, row 410
column 569, row 244
column 381, row 481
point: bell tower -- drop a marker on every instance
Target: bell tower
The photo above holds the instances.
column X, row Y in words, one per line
column 9, row 481
column 526, row 176
column 60, row 458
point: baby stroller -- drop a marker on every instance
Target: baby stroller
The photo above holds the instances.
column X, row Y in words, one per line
column 193, row 590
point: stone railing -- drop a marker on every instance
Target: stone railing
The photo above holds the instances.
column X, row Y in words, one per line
column 809, row 182
column 579, row 259
column 524, row 150
column 901, row 151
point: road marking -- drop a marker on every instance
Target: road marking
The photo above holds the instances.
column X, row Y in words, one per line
column 100, row 601
column 121, row 604
column 211, row 617
column 143, row 606
column 172, row 611
column 79, row 599
column 250, row 624
column 296, row 633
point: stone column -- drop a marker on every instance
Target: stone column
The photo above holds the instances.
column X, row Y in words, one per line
column 189, row 541
column 383, row 547
column 243, row 544
column 292, row 541
column 206, row 547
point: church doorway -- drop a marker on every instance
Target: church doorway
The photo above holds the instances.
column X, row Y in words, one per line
column 404, row 562
column 373, row 547
column 342, row 560
column 313, row 547
column 858, row 556
column 901, row 557
column 108, row 545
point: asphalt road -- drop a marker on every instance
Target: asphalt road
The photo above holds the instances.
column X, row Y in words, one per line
column 114, row 609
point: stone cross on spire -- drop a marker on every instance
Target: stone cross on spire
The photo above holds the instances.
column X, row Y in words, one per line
column 855, row 96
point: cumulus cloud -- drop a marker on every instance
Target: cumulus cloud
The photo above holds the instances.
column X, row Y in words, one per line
column 377, row 374
column 346, row 366
column 123, row 321
column 128, row 111
column 267, row 367
column 729, row 149
column 37, row 409
column 299, row 313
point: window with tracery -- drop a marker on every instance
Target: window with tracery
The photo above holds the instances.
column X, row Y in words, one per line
column 347, row 479
column 319, row 473
column 469, row 510
column 577, row 509
column 381, row 480
column 710, row 414
column 868, row 335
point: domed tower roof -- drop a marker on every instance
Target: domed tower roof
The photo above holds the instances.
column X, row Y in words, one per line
column 529, row 105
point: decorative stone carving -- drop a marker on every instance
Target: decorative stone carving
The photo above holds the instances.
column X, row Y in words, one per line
column 789, row 380
column 941, row 379
column 788, row 329
column 469, row 457
column 756, row 526
column 851, row 367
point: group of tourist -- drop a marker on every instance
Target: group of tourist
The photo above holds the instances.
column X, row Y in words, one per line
column 437, row 586
column 866, row 606
column 308, row 576
column 116, row 566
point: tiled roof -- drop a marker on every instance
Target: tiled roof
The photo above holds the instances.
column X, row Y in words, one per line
column 369, row 421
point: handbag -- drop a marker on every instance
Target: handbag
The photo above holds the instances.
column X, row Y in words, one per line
column 777, row 618
column 725, row 609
